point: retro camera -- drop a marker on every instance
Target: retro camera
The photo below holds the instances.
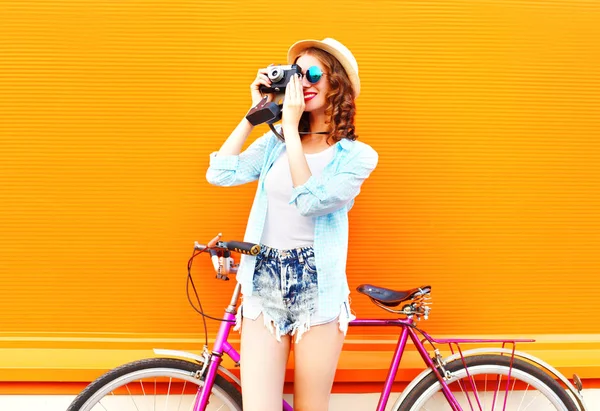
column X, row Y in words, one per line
column 270, row 112
column 280, row 76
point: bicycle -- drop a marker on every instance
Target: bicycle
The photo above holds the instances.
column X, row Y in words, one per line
column 517, row 380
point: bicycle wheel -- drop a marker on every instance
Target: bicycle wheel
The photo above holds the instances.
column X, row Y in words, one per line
column 154, row 384
column 529, row 387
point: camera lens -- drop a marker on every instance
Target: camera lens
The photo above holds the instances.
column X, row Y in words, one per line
column 275, row 74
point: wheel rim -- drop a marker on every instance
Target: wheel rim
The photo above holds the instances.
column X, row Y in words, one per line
column 156, row 389
column 525, row 392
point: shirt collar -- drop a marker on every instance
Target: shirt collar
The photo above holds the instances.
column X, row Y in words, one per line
column 345, row 143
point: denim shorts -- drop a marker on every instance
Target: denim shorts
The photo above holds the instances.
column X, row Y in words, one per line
column 285, row 292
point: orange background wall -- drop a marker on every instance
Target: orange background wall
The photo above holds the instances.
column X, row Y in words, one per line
column 485, row 115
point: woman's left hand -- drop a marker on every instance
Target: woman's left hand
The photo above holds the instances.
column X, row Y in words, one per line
column 293, row 104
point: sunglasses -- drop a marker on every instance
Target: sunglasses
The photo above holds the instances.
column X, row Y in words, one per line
column 314, row 74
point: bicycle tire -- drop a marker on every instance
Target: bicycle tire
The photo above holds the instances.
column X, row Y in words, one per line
column 427, row 393
column 100, row 394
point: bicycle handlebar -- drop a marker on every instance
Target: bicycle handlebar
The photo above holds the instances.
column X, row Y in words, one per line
column 235, row 246
column 240, row 247
column 222, row 260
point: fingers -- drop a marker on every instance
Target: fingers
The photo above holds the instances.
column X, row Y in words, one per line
column 299, row 91
column 294, row 91
column 290, row 90
column 261, row 78
column 293, row 104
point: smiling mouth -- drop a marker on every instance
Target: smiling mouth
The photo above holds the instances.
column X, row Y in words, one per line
column 309, row 96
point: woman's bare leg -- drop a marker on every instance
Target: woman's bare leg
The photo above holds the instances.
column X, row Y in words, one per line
column 262, row 366
column 316, row 357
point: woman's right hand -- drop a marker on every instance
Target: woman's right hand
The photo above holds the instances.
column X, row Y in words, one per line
column 261, row 79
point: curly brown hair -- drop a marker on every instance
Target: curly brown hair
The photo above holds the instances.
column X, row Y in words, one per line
column 340, row 99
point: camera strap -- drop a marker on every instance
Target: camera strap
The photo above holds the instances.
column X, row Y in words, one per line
column 300, row 132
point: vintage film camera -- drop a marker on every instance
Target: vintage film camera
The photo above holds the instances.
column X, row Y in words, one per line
column 280, row 76
column 270, row 112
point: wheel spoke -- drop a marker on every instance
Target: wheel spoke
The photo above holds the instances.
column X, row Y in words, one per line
column 465, row 391
column 132, row 399
column 524, row 394
column 505, row 383
column 168, row 393
column 143, row 392
column 466, row 395
column 512, row 389
column 476, row 394
column 192, row 404
column 484, row 391
column 154, row 384
column 496, row 393
column 531, row 402
column 181, row 396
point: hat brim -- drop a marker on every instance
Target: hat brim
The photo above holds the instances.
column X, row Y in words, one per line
column 297, row 48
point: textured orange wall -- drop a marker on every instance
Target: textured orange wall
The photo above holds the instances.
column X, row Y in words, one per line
column 485, row 115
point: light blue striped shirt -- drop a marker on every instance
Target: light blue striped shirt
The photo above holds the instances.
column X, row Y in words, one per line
column 327, row 198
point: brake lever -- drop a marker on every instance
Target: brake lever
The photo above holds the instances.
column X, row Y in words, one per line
column 214, row 241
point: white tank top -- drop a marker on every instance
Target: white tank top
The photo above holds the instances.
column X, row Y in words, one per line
column 285, row 227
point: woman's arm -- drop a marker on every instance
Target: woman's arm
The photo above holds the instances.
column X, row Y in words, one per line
column 232, row 169
column 234, row 143
column 227, row 166
column 319, row 196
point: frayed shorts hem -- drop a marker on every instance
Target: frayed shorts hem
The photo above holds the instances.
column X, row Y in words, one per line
column 251, row 308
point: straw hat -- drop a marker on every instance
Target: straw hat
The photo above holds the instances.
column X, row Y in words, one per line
column 337, row 50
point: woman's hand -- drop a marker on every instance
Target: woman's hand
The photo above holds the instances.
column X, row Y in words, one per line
column 261, row 79
column 293, row 107
column 293, row 104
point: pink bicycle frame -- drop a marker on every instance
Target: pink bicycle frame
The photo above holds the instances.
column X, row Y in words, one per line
column 222, row 346
column 407, row 331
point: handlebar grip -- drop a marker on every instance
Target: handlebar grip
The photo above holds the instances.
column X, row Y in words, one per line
column 242, row 247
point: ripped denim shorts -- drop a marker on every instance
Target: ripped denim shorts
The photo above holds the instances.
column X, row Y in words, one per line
column 285, row 292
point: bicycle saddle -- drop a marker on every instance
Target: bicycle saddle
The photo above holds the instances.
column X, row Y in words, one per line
column 390, row 298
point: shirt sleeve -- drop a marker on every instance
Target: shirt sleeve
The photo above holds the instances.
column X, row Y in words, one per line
column 320, row 196
column 232, row 170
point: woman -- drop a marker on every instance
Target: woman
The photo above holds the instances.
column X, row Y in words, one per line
column 306, row 186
